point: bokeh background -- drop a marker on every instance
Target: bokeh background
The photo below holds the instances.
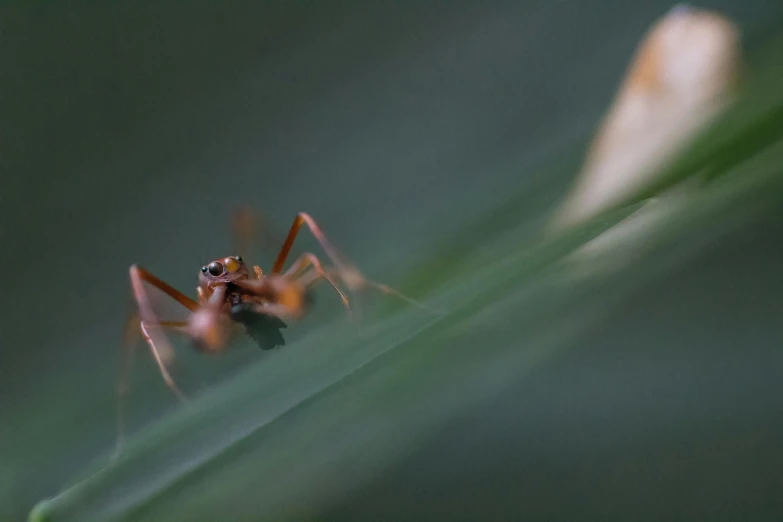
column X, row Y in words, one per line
column 129, row 133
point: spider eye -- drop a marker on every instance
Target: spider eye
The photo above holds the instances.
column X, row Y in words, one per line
column 231, row 264
column 204, row 269
column 238, row 258
column 215, row 268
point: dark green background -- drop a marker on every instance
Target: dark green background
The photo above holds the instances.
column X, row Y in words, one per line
column 129, row 133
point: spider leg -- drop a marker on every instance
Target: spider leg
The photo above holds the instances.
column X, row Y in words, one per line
column 249, row 229
column 344, row 269
column 286, row 297
column 145, row 320
column 145, row 331
column 156, row 339
column 135, row 325
column 308, row 260
column 123, row 389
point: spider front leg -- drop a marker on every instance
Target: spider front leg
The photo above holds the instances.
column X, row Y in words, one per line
column 209, row 327
column 275, row 295
column 149, row 323
column 146, row 328
column 123, row 388
column 144, row 320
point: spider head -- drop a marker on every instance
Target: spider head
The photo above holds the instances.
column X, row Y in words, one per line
column 224, row 270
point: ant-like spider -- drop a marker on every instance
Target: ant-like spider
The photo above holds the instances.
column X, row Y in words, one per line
column 232, row 296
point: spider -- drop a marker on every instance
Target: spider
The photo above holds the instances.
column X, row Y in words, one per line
column 233, row 296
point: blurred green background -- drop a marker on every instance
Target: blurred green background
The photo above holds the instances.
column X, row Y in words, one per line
column 429, row 139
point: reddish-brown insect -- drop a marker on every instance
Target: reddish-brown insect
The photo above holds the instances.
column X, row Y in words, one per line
column 232, row 296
